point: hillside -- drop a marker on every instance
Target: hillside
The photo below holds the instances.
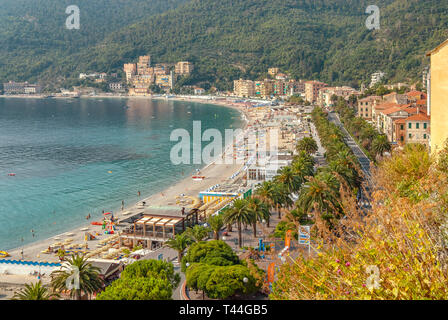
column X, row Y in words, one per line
column 35, row 42
column 227, row 39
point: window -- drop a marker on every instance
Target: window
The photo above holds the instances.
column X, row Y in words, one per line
column 401, row 126
column 424, row 136
column 410, row 136
column 402, row 138
column 410, row 125
column 417, row 125
column 425, row 126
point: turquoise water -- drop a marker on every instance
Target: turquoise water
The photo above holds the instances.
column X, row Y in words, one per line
column 63, row 150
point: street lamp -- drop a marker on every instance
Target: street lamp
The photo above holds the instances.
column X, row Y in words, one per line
column 187, row 264
column 245, row 280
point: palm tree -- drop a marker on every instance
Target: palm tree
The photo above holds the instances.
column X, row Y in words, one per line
column 281, row 198
column 380, row 145
column 287, row 177
column 34, row 291
column 238, row 213
column 216, row 223
column 259, row 211
column 197, row 233
column 179, row 243
column 308, row 145
column 265, row 192
column 87, row 276
column 320, row 193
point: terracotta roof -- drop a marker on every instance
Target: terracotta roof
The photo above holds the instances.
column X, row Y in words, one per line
column 416, row 94
column 401, row 120
column 386, row 105
column 422, row 102
column 435, row 50
column 418, row 117
column 392, row 110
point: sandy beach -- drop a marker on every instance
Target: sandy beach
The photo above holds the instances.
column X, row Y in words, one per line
column 214, row 173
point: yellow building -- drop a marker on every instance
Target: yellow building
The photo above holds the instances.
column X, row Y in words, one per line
column 438, row 96
column 244, row 88
column 184, row 68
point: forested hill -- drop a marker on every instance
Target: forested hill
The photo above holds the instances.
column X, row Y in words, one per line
column 228, row 39
column 35, row 42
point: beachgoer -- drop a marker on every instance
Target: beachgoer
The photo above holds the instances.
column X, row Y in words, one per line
column 138, row 193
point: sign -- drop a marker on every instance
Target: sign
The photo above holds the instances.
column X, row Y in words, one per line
column 160, row 257
column 271, row 272
column 304, row 235
column 288, row 238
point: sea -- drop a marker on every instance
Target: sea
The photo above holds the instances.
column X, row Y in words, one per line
column 61, row 159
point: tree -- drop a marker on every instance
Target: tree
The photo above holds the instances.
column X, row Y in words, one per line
column 34, row 291
column 225, row 282
column 265, row 192
column 238, row 213
column 139, row 288
column 179, row 243
column 380, row 145
column 214, row 252
column 287, row 177
column 320, row 193
column 143, row 280
column 197, row 233
column 87, row 275
column 307, row 144
column 216, row 223
column 259, row 211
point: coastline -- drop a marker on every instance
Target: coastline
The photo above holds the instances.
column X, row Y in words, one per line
column 215, row 173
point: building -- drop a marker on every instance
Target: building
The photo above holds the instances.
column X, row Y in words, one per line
column 312, row 90
column 414, row 96
column 438, row 96
column 264, row 88
column 325, row 94
column 366, row 105
column 165, row 81
column 273, row 71
column 418, row 129
column 184, row 68
column 130, row 69
column 116, row 86
column 198, row 90
column 12, row 87
column 395, row 97
column 143, row 65
column 244, row 88
column 376, row 78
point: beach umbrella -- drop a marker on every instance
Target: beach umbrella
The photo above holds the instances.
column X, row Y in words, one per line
column 107, row 213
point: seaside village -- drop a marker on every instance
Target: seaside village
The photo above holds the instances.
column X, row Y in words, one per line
column 403, row 114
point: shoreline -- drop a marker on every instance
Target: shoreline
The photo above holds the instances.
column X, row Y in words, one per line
column 216, row 172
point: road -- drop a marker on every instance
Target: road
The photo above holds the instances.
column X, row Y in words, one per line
column 364, row 161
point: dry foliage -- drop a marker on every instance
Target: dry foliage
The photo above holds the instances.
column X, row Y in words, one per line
column 403, row 236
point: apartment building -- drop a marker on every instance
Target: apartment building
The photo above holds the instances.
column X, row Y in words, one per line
column 312, row 90
column 264, row 88
column 366, row 106
column 413, row 129
column 12, row 87
column 438, row 96
column 376, row 78
column 183, row 68
column 130, row 69
column 325, row 94
column 244, row 88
